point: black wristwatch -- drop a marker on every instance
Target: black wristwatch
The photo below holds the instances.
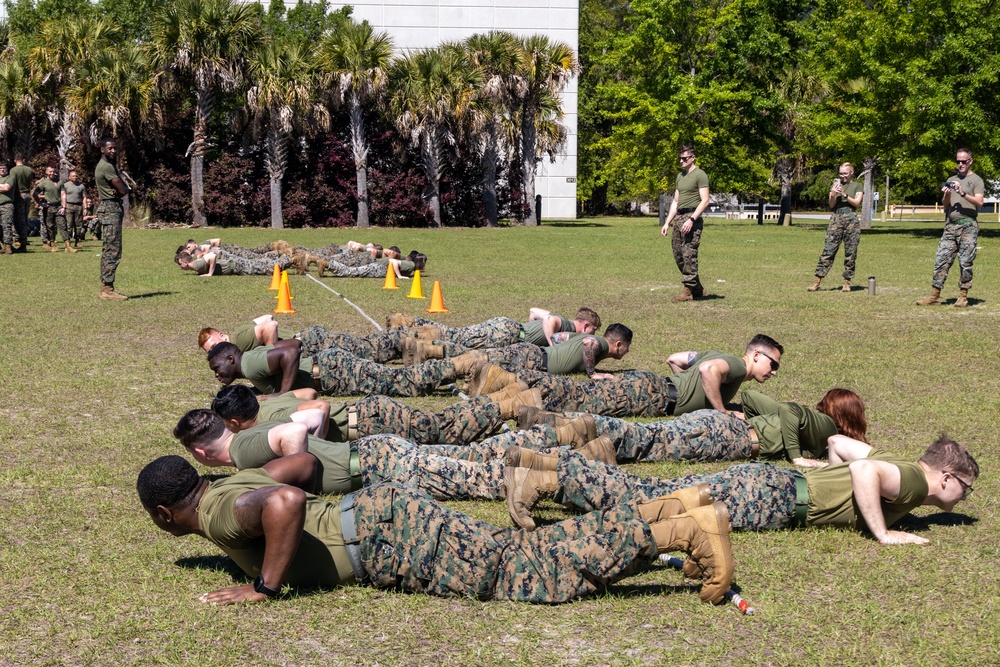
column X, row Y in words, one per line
column 261, row 587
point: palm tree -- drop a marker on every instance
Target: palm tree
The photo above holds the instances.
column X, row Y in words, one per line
column 545, row 69
column 495, row 54
column 360, row 58
column 205, row 42
column 19, row 98
column 283, row 75
column 433, row 92
column 61, row 47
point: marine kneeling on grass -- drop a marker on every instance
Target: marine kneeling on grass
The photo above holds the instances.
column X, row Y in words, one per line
column 387, row 536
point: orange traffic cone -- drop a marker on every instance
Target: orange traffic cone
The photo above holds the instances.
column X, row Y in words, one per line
column 437, row 300
column 283, row 284
column 275, row 280
column 284, row 298
column 415, row 291
column 390, row 279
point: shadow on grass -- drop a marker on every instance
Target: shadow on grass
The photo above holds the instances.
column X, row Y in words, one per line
column 215, row 563
column 925, row 232
column 573, row 224
column 149, row 295
column 918, row 523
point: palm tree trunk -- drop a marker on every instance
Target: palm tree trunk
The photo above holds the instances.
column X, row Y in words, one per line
column 431, row 150
column 360, row 150
column 64, row 141
column 205, row 103
column 274, row 156
column 489, row 164
column 528, row 140
column 786, row 201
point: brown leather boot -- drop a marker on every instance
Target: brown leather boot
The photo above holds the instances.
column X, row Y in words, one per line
column 7, row 249
column 846, row 287
column 69, row 248
column 398, row 320
column 528, row 417
column 108, row 293
column 509, row 406
column 525, row 487
column 963, row 298
column 815, row 285
column 300, row 263
column 409, row 351
column 467, row 362
column 489, row 378
column 429, row 332
column 685, row 295
column 427, row 350
column 932, row 299
column 678, row 502
column 702, row 533
column 522, row 457
column 321, row 266
column 600, row 449
column 510, row 391
column 577, row 432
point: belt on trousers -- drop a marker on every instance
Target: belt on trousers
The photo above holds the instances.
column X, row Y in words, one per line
column 801, row 501
column 844, row 209
column 355, row 468
column 671, row 398
column 352, row 423
column 351, row 541
column 520, row 334
column 682, row 211
column 317, row 385
column 754, row 442
column 117, row 201
column 545, row 359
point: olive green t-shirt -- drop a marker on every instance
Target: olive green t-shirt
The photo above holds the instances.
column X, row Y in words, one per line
column 567, row 357
column 8, row 196
column 960, row 207
column 321, row 559
column 691, row 393
column 281, row 408
column 244, row 338
column 254, row 368
column 688, row 186
column 49, row 190
column 249, row 449
column 786, row 429
column 74, row 191
column 200, row 266
column 852, row 190
column 104, row 174
column 831, row 494
column 24, row 175
column 532, row 330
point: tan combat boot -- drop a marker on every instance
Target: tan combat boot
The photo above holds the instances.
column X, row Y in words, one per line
column 468, row 362
column 429, row 332
column 69, row 248
column 509, row 406
column 600, row 449
column 7, row 249
column 846, row 287
column 409, row 351
column 577, row 432
column 678, row 502
column 815, row 285
column 525, row 487
column 300, row 262
column 108, row 293
column 703, row 534
column 685, row 295
column 321, row 266
column 52, row 247
column 398, row 320
column 489, row 378
column 528, row 417
column 963, row 298
column 427, row 350
column 522, row 457
column 932, row 299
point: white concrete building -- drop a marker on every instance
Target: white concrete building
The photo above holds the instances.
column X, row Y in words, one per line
column 417, row 24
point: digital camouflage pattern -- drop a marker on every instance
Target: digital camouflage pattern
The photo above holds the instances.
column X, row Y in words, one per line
column 628, row 394
column 702, row 435
column 109, row 212
column 494, row 332
column 341, row 270
column 381, row 346
column 71, row 222
column 846, row 228
column 7, row 223
column 759, row 496
column 958, row 240
column 47, row 223
column 243, row 266
column 459, row 424
column 685, row 247
column 410, row 542
column 343, row 374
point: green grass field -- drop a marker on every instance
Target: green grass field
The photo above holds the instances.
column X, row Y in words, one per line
column 91, row 391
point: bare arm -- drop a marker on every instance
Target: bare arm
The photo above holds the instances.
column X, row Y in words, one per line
column 681, row 361
column 550, row 325
column 284, row 360
column 315, row 420
column 265, row 330
column 210, row 258
column 843, row 449
column 713, row 372
column 307, row 393
column 703, row 194
column 871, row 481
column 289, row 438
column 855, row 201
column 538, row 314
column 590, row 348
column 5, row 187
column 119, row 185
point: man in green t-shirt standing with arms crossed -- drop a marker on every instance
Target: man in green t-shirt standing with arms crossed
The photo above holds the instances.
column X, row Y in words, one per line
column 46, row 195
column 110, row 189
column 690, row 201
column 845, row 197
column 963, row 195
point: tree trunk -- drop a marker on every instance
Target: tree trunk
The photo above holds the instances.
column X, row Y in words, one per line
column 786, row 201
column 868, row 164
column 274, row 155
column 64, row 142
column 489, row 163
column 360, row 149
column 204, row 104
column 276, row 220
column 431, row 149
column 528, row 139
column 197, row 191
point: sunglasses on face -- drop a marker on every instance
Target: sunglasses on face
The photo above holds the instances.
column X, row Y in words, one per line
column 774, row 364
column 963, row 161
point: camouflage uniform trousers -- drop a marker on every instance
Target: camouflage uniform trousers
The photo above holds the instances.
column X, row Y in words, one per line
column 47, row 220
column 260, row 253
column 343, row 374
column 71, row 222
column 759, row 496
column 110, row 212
column 628, row 394
column 685, row 247
column 410, row 542
column 339, row 270
column 350, row 258
column 254, row 267
column 844, row 227
column 958, row 240
column 703, row 435
column 458, row 424
column 494, row 332
column 7, row 223
column 381, row 346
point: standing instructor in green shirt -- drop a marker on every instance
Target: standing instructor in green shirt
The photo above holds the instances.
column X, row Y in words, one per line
column 845, row 197
column 110, row 190
column 690, row 201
